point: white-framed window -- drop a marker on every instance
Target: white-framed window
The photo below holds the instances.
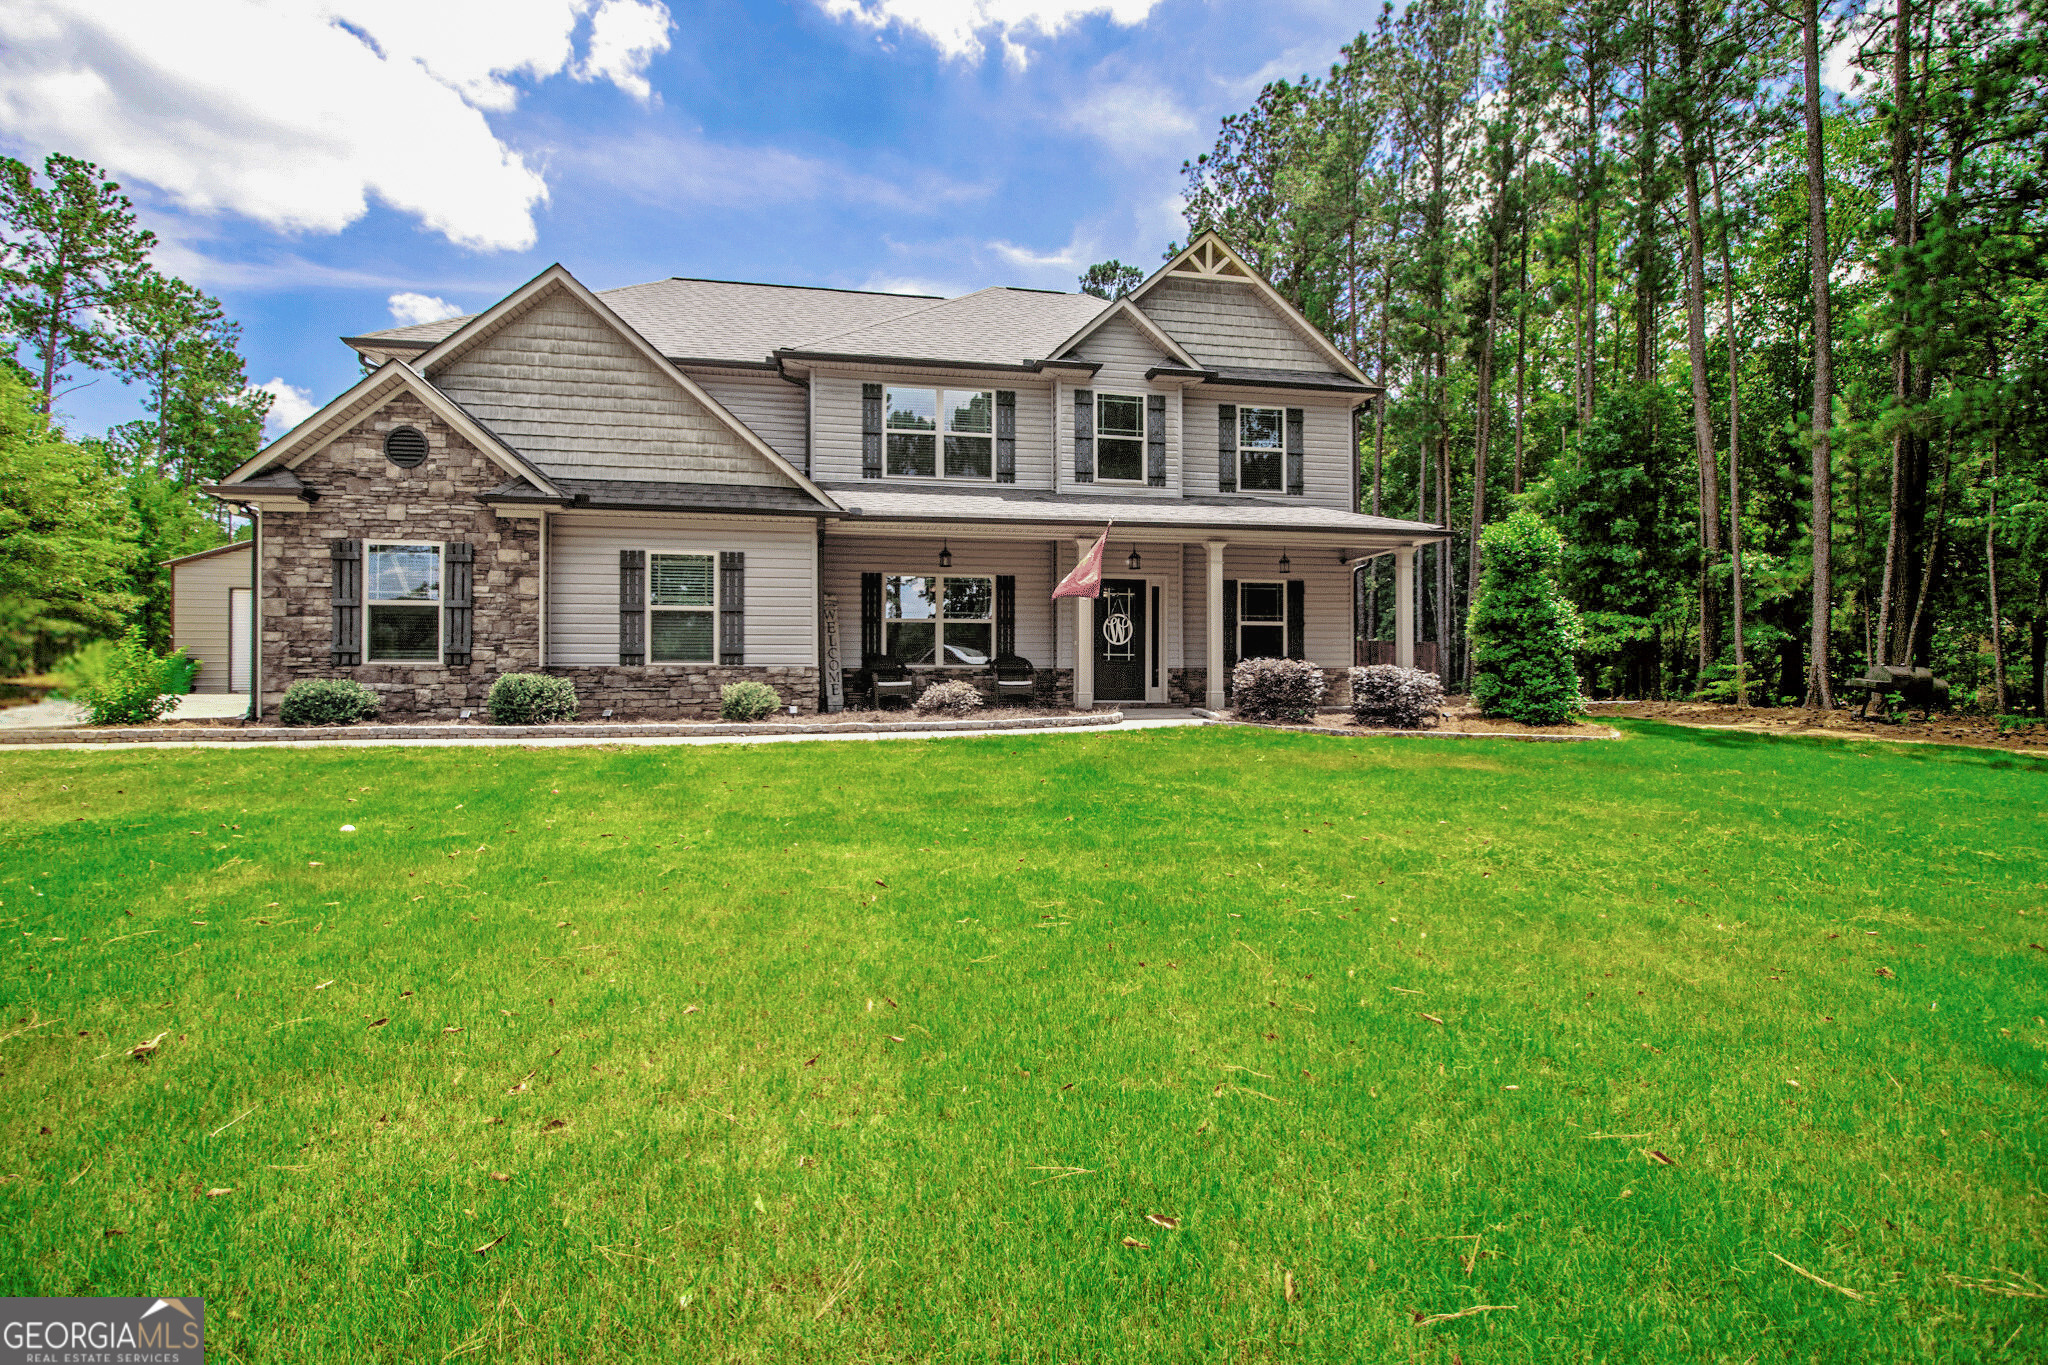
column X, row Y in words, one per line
column 933, row 619
column 402, row 602
column 933, row 433
column 1261, row 620
column 1119, row 438
column 682, row 608
column 1261, row 450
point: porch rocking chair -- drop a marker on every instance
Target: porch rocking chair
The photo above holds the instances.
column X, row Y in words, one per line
column 883, row 675
column 1016, row 678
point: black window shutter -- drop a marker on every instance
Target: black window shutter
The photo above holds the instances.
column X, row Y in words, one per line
column 1226, row 447
column 1006, row 436
column 1084, row 436
column 1155, row 440
column 870, row 615
column 458, row 600
column 1229, row 628
column 632, row 606
column 871, row 431
column 1297, row 618
column 348, row 603
column 732, row 607
column 1006, row 614
column 1295, row 486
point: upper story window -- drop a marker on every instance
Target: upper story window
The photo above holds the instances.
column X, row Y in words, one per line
column 927, row 431
column 682, row 609
column 402, row 597
column 932, row 620
column 1119, row 438
column 1261, row 449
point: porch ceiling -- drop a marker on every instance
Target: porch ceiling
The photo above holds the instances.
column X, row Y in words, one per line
column 1032, row 513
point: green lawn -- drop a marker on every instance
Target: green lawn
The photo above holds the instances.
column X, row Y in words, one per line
column 1218, row 1045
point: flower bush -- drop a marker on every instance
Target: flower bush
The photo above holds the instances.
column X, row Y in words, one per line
column 135, row 686
column 1398, row 698
column 327, row 701
column 1276, row 689
column 948, row 699
column 531, row 699
column 1524, row 630
column 745, row 701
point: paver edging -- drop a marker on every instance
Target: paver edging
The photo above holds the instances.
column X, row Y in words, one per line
column 273, row 734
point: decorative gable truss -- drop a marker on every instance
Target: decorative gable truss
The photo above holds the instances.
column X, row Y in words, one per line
column 1209, row 263
column 583, row 395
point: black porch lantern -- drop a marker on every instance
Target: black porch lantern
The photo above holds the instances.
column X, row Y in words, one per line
column 1286, row 564
column 946, row 554
column 1134, row 563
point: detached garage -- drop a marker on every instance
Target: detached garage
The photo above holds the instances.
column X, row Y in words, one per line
column 211, row 615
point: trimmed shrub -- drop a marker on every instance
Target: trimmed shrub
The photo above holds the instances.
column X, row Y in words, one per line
column 134, row 687
column 747, row 701
column 181, row 672
column 1524, row 630
column 530, row 699
column 327, row 701
column 953, row 698
column 1398, row 698
column 1276, row 689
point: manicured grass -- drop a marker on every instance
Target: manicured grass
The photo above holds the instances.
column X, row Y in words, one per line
column 886, row 1051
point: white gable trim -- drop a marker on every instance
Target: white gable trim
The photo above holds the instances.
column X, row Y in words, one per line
column 1210, row 258
column 379, row 387
column 557, row 278
column 1124, row 308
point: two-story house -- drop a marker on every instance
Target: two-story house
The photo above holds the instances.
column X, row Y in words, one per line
column 662, row 488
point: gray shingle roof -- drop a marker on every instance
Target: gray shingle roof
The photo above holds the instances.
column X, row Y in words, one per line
column 994, row 326
column 883, row 502
column 720, row 319
column 669, row 497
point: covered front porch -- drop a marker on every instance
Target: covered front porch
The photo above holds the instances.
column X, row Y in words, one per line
column 958, row 600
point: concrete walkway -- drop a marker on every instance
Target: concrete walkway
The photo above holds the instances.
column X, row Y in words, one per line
column 44, row 715
column 1149, row 719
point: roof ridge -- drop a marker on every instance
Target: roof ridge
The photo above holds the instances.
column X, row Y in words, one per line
column 764, row 284
column 937, row 303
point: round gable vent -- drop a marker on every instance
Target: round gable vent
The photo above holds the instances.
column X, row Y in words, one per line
column 405, row 447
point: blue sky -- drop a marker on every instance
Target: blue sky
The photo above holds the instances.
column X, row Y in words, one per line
column 332, row 166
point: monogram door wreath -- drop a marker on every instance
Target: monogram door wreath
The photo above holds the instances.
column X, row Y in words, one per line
column 1117, row 630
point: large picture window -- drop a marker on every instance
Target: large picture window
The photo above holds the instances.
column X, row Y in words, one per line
column 1261, row 449
column 1119, row 438
column 402, row 594
column 682, row 609
column 931, row 620
column 927, row 431
column 1261, row 620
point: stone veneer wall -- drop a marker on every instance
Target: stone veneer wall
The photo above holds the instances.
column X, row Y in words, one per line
column 673, row 691
column 365, row 496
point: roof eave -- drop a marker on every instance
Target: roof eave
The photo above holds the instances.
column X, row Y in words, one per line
column 927, row 363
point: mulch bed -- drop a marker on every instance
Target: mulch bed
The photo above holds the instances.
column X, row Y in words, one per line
column 1979, row 732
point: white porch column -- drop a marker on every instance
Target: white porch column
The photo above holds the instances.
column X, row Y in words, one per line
column 1084, row 641
column 1404, row 606
column 1214, row 634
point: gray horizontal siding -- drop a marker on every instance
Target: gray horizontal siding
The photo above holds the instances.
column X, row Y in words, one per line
column 1125, row 354
column 199, row 613
column 570, row 394
column 1229, row 324
column 583, row 582
column 1325, row 441
column 835, row 444
column 846, row 558
column 772, row 407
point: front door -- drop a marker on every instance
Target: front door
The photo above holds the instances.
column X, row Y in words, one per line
column 1120, row 639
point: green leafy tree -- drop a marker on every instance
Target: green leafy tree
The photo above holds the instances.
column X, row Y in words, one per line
column 69, row 249
column 1111, row 279
column 66, row 537
column 1525, row 631
column 179, row 347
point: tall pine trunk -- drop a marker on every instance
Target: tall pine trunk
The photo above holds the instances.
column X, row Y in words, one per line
column 1736, row 603
column 1692, row 102
column 1819, row 691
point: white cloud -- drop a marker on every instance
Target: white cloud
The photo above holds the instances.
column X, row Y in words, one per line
column 1139, row 122
column 1073, row 256
column 962, row 29
column 409, row 308
column 290, row 406
column 298, row 113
